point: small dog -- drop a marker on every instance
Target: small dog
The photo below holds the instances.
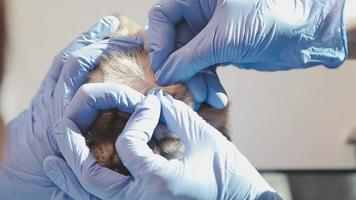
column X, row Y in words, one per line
column 133, row 70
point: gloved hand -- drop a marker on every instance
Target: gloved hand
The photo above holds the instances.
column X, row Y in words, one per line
column 212, row 168
column 206, row 85
column 265, row 35
column 81, row 113
column 30, row 138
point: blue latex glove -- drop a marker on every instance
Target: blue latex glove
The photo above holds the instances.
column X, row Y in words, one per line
column 81, row 113
column 30, row 135
column 212, row 168
column 265, row 35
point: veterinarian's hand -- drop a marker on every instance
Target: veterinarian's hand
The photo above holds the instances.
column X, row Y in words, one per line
column 212, row 168
column 187, row 37
column 81, row 113
column 30, row 138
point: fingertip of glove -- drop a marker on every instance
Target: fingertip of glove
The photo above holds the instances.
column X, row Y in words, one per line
column 150, row 102
column 160, row 79
column 198, row 88
column 154, row 60
column 111, row 22
column 102, row 28
column 107, row 24
column 218, row 100
column 48, row 162
column 50, row 166
column 165, row 99
column 155, row 91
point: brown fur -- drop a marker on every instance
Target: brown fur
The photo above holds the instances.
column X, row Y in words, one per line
column 133, row 70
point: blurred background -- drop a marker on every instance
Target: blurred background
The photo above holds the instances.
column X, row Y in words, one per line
column 292, row 125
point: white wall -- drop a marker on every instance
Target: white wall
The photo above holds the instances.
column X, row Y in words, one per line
column 279, row 120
